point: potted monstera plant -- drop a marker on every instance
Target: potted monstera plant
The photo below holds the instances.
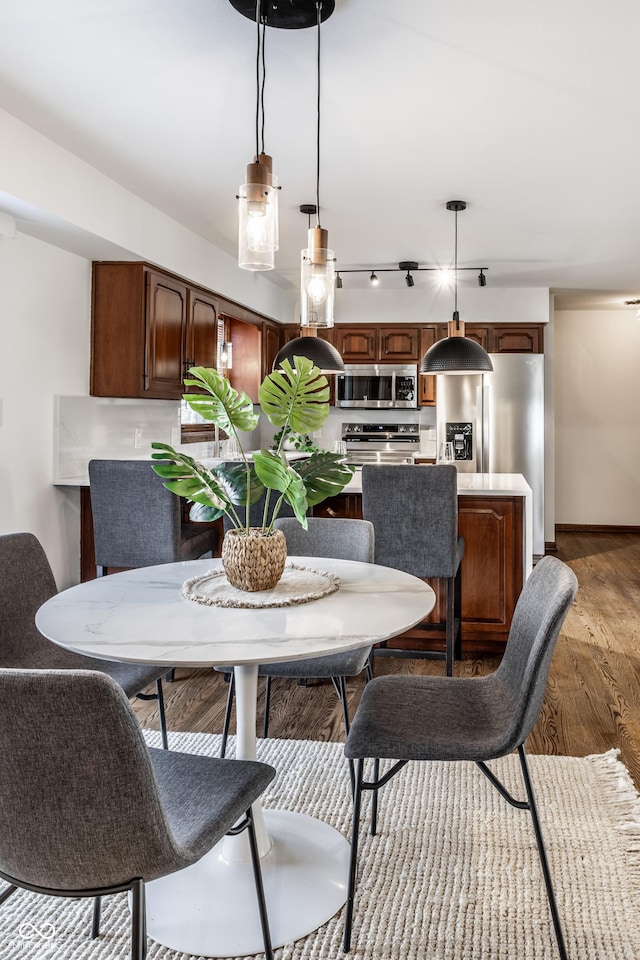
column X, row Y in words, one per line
column 294, row 399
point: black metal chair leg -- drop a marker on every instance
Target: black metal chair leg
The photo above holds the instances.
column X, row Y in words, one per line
column 555, row 916
column 138, row 924
column 6, row 893
column 450, row 629
column 227, row 714
column 95, row 920
column 374, row 798
column 267, row 706
column 257, row 875
column 457, row 614
column 353, row 861
column 163, row 720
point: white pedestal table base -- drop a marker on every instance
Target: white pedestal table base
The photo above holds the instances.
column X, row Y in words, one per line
column 210, row 909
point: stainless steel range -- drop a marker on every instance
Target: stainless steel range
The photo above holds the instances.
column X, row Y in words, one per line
column 381, row 442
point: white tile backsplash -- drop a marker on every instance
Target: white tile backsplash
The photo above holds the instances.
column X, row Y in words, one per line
column 115, row 428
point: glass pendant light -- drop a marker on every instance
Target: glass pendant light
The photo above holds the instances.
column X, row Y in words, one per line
column 456, row 353
column 258, row 198
column 318, row 261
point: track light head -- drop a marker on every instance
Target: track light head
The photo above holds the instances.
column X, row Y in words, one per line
column 482, row 280
column 409, row 280
column 338, row 281
column 373, row 279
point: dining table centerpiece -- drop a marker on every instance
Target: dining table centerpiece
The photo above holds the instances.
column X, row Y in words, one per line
column 295, row 399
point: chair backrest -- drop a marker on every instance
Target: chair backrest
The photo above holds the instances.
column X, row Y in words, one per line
column 79, row 804
column 540, row 612
column 26, row 582
column 341, row 538
column 137, row 522
column 414, row 511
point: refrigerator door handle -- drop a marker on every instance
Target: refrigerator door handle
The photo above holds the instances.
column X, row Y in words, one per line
column 484, row 400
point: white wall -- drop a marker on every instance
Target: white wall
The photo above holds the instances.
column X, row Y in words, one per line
column 44, row 350
column 68, row 201
column 597, row 398
column 430, row 303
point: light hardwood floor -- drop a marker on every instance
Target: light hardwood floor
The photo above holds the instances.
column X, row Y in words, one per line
column 593, row 696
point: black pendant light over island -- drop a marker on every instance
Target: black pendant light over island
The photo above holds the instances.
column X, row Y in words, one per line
column 456, row 353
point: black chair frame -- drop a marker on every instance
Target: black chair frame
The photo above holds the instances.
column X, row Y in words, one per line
column 452, row 628
column 136, row 887
column 379, row 781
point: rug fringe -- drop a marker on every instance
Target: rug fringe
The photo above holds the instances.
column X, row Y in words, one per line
column 619, row 791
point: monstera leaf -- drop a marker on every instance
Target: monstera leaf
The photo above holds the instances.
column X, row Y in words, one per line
column 323, row 475
column 278, row 475
column 224, row 406
column 296, row 396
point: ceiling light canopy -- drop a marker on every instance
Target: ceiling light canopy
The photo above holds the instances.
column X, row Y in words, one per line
column 456, row 353
column 286, row 14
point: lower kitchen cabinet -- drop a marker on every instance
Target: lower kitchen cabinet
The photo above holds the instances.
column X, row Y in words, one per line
column 492, row 568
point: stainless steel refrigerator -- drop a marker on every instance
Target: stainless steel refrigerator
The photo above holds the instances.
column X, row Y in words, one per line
column 496, row 423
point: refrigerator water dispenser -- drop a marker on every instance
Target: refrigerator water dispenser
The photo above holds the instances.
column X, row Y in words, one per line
column 461, row 435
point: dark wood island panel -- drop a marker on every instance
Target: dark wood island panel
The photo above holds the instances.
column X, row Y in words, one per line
column 492, row 567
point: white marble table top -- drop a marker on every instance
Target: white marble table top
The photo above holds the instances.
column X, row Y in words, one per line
column 139, row 616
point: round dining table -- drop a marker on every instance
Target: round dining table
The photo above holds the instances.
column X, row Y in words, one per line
column 140, row 616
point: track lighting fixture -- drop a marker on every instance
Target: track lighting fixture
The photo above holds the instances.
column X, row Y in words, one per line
column 409, row 267
column 338, row 281
column 456, row 353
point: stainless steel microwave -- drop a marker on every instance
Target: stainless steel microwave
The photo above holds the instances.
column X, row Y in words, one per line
column 380, row 386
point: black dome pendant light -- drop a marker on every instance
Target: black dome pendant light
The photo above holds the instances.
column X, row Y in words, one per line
column 456, row 353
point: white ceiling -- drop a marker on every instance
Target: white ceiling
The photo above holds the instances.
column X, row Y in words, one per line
column 527, row 110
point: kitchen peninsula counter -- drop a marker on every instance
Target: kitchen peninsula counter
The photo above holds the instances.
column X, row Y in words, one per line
column 496, row 520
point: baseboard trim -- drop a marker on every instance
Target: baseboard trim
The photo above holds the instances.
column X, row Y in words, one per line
column 596, row 528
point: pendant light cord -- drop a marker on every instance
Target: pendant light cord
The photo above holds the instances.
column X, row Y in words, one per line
column 318, row 17
column 258, row 14
column 455, row 276
column 264, row 81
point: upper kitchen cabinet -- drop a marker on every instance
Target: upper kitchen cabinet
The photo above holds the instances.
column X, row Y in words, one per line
column 270, row 345
column 147, row 329
column 516, row 338
column 376, row 343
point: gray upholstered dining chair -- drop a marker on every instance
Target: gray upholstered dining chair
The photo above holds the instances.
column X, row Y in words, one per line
column 405, row 718
column 137, row 522
column 343, row 540
column 414, row 511
column 26, row 582
column 87, row 810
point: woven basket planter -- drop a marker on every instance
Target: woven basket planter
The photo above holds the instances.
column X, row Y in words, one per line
column 253, row 561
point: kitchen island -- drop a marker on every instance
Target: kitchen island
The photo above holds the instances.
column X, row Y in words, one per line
column 495, row 519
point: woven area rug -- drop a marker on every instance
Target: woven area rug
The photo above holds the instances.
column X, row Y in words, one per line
column 452, row 875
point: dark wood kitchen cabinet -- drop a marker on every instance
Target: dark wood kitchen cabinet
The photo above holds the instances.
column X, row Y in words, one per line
column 492, row 566
column 516, row 338
column 376, row 343
column 148, row 327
